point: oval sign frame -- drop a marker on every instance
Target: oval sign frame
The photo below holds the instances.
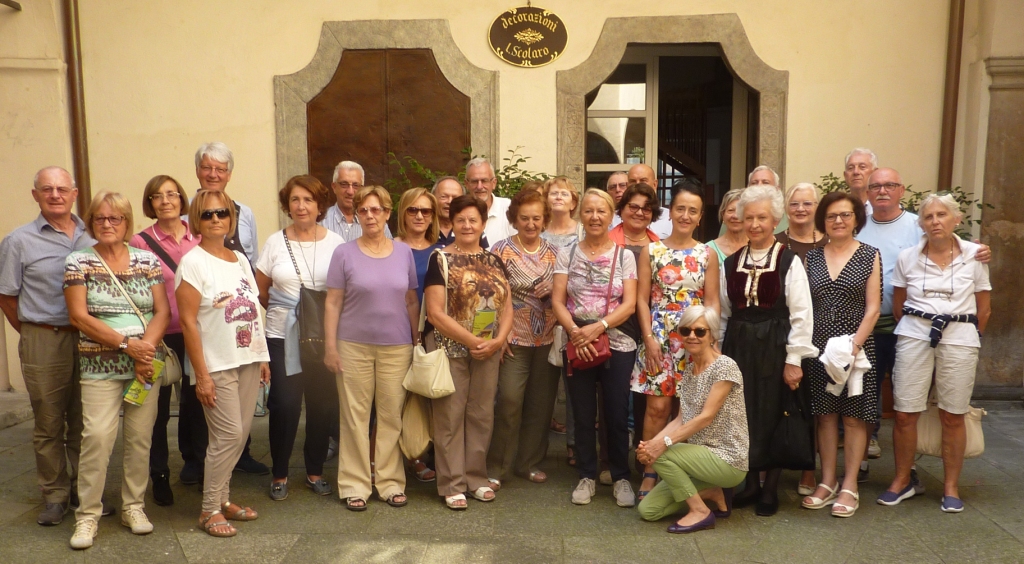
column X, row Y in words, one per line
column 527, row 36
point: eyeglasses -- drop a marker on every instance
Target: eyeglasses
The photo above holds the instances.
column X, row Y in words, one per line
column 844, row 216
column 700, row 332
column 642, row 210
column 221, row 213
column 168, row 197
column 889, row 186
column 619, row 185
column 113, row 220
column 207, row 169
column 50, row 190
column 413, row 212
column 347, row 185
column 371, row 210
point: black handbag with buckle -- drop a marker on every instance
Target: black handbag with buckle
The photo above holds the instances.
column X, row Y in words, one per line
column 309, row 315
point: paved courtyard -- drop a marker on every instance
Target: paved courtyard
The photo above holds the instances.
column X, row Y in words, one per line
column 537, row 523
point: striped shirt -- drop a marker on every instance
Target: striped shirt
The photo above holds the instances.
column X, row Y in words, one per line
column 530, row 277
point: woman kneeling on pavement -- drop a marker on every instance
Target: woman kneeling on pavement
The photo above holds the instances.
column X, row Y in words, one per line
column 701, row 455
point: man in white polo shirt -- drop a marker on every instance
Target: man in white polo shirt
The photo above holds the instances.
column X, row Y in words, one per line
column 481, row 181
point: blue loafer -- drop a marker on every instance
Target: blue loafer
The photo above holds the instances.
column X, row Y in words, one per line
column 952, row 504
column 890, row 498
column 705, row 523
column 279, row 491
column 319, row 487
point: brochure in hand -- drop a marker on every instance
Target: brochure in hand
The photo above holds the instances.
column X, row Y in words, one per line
column 136, row 393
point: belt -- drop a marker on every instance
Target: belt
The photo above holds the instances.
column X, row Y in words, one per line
column 55, row 328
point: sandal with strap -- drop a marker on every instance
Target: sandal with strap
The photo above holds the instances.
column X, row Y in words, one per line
column 537, row 476
column 355, row 504
column 209, row 526
column 423, row 472
column 456, row 502
column 393, row 500
column 847, row 511
column 811, row 502
column 239, row 513
column 641, row 494
column 495, row 484
column 480, row 494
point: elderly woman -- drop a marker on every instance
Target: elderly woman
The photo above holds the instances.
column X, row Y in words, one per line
column 117, row 347
column 295, row 257
column 594, row 293
column 218, row 305
column 734, row 234
column 674, row 274
column 469, row 315
column 371, row 278
column 941, row 299
column 527, row 382
column 169, row 238
column 766, row 303
column 701, row 455
column 845, row 305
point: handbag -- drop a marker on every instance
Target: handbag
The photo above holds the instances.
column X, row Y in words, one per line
column 417, row 431
column 601, row 345
column 172, row 364
column 429, row 374
column 929, row 430
column 309, row 316
column 792, row 444
column 557, row 346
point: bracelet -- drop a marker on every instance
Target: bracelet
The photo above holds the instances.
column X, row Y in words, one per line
column 649, row 335
column 605, row 323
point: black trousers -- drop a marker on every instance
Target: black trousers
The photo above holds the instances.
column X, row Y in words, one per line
column 614, row 380
column 285, row 407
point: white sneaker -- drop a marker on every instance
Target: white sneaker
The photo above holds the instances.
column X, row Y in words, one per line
column 874, row 450
column 605, row 477
column 583, row 492
column 85, row 531
column 136, row 520
column 623, row 493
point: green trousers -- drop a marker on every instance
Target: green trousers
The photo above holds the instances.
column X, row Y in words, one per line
column 686, row 469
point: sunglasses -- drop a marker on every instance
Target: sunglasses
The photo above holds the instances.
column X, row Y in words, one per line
column 221, row 213
column 413, row 212
column 700, row 332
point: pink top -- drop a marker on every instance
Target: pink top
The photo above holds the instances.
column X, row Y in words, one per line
column 175, row 250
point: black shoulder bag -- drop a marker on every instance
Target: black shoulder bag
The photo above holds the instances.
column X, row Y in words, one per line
column 309, row 315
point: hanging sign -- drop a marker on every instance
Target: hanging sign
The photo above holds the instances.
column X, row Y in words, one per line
column 527, row 36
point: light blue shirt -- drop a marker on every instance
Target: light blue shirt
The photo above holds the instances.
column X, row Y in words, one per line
column 247, row 232
column 32, row 268
column 335, row 221
column 890, row 237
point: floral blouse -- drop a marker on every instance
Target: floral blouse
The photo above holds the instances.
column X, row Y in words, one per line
column 588, row 287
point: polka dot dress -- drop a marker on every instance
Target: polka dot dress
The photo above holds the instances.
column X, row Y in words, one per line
column 839, row 307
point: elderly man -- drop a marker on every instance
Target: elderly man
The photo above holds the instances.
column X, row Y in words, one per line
column 214, row 165
column 890, row 229
column 857, row 169
column 616, row 185
column 641, row 173
column 446, row 189
column 481, row 181
column 765, row 176
column 342, row 219
column 31, row 296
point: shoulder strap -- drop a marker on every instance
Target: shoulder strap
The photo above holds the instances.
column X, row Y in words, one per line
column 611, row 279
column 124, row 292
column 288, row 245
column 442, row 261
column 159, row 251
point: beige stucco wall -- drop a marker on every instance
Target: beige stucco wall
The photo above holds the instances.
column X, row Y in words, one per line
column 163, row 77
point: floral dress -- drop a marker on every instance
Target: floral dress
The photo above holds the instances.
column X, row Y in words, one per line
column 678, row 284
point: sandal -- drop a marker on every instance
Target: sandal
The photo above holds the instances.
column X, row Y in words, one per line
column 557, row 427
column 393, row 500
column 537, row 476
column 423, row 472
column 210, row 527
column 480, row 494
column 456, row 502
column 570, row 456
column 847, row 511
column 355, row 504
column 495, row 484
column 641, row 494
column 811, row 502
column 238, row 513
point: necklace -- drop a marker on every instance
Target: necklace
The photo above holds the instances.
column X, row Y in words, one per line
column 814, row 243
column 595, row 249
column 525, row 250
column 750, row 253
column 380, row 245
column 458, row 248
column 924, row 280
column 638, row 239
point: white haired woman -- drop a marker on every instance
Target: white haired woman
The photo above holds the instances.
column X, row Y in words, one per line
column 941, row 299
column 766, row 302
column 702, row 454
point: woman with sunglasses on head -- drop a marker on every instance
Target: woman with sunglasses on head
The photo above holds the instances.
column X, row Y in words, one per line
column 169, row 238
column 371, row 321
column 701, row 455
column 117, row 348
column 673, row 275
column 845, row 277
column 298, row 256
column 218, row 305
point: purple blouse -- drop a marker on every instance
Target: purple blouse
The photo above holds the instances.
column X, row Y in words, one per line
column 374, row 311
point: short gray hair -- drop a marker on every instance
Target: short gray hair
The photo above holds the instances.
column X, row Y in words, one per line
column 727, row 200
column 695, row 313
column 803, row 186
column 862, row 151
column 216, row 151
column 54, row 168
column 946, row 199
column 761, row 193
column 349, row 165
column 775, row 175
column 480, row 161
column 437, row 184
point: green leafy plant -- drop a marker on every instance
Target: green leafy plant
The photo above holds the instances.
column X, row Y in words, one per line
column 832, row 183
column 512, row 175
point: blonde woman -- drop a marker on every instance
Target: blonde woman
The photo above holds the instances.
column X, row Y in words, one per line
column 734, row 235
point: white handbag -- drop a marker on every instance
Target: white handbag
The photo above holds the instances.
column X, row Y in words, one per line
column 429, row 374
column 557, row 345
column 929, row 431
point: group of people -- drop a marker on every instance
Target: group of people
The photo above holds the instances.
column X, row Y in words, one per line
column 800, row 308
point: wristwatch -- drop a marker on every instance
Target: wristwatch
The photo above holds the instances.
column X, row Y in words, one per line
column 668, row 441
column 124, row 344
column 605, row 323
